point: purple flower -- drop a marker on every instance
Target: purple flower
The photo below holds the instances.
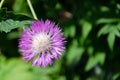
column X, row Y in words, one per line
column 42, row 43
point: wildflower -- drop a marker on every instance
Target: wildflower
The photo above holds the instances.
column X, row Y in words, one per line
column 42, row 43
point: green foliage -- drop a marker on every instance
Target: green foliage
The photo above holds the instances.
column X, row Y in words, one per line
column 58, row 6
column 19, row 6
column 105, row 20
column 94, row 60
column 86, row 28
column 5, row 15
column 14, row 69
column 10, row 24
column 23, row 71
column 13, row 35
column 104, row 30
column 74, row 54
column 111, row 39
column 116, row 76
column 112, row 31
column 70, row 31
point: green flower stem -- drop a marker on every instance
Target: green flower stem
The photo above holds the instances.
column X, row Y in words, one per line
column 1, row 3
column 32, row 10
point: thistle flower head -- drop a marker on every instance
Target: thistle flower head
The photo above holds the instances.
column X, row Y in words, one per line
column 41, row 43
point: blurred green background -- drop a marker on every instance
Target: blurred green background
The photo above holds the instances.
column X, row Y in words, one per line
column 92, row 31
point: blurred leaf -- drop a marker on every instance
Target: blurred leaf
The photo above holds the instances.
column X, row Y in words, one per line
column 2, row 60
column 13, row 35
column 76, row 78
column 15, row 69
column 100, row 57
column 111, row 40
column 104, row 30
column 94, row 60
column 104, row 8
column 10, row 24
column 45, row 78
column 61, row 78
column 115, row 30
column 116, row 76
column 20, row 6
column 70, row 31
column 118, row 26
column 90, row 64
column 49, row 71
column 86, row 28
column 58, row 6
column 118, row 6
column 74, row 53
column 109, row 28
column 105, row 20
column 41, row 73
column 90, row 50
column 112, row 31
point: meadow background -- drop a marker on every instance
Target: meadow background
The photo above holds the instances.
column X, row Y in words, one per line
column 92, row 31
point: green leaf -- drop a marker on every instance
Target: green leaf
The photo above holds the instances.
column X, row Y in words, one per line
column 74, row 53
column 20, row 6
column 90, row 50
column 90, row 64
column 15, row 69
column 61, row 78
column 116, row 76
column 94, row 60
column 104, row 30
column 111, row 40
column 86, row 28
column 115, row 30
column 58, row 6
column 10, row 24
column 70, row 31
column 13, row 35
column 118, row 26
column 76, row 78
column 118, row 6
column 100, row 57
column 104, row 8
column 106, row 20
column 112, row 30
